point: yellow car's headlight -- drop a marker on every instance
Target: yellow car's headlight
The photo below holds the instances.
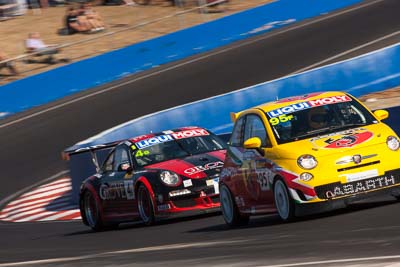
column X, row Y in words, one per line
column 392, row 143
column 307, row 162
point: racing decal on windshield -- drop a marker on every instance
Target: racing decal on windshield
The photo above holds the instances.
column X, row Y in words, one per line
column 348, row 140
column 141, row 153
column 308, row 104
column 154, row 140
column 189, row 133
column 281, row 119
column 141, row 137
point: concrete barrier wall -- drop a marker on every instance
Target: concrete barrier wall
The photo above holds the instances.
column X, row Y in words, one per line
column 55, row 84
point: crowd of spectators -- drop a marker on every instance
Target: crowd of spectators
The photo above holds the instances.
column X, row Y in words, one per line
column 80, row 17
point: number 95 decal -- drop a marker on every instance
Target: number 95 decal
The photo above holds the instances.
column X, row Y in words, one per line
column 280, row 119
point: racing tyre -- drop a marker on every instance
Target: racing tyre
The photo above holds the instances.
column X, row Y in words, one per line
column 92, row 212
column 145, row 206
column 230, row 211
column 283, row 201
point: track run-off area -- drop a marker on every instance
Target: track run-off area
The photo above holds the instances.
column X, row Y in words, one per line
column 365, row 234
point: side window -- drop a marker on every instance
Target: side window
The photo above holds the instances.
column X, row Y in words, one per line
column 237, row 133
column 255, row 128
column 121, row 156
column 108, row 164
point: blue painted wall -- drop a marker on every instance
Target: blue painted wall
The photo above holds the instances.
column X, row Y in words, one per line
column 49, row 86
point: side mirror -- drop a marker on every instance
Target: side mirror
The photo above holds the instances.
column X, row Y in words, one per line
column 381, row 114
column 252, row 143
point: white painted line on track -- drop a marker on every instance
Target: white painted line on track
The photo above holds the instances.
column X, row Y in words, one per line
column 129, row 251
column 232, row 47
column 346, row 52
column 321, row 263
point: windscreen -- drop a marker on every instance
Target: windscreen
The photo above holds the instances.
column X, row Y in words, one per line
column 308, row 119
column 173, row 149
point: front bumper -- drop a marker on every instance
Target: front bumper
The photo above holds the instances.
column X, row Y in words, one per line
column 333, row 204
column 200, row 197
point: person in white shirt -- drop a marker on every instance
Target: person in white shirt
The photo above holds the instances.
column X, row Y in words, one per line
column 34, row 44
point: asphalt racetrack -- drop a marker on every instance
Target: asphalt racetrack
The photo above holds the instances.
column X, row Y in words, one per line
column 367, row 233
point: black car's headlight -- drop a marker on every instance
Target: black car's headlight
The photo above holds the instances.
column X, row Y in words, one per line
column 170, row 178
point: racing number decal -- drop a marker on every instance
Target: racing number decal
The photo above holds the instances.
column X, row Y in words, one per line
column 281, row 119
column 263, row 179
column 141, row 153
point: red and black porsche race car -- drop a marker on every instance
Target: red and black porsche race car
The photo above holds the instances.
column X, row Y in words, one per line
column 154, row 176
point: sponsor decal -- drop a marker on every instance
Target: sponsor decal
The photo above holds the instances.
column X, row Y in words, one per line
column 189, row 133
column 117, row 191
column 308, row 104
column 205, row 167
column 141, row 137
column 349, row 141
column 154, row 140
column 187, row 183
column 360, row 186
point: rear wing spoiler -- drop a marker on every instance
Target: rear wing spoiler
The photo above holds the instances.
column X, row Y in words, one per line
column 84, row 162
column 92, row 150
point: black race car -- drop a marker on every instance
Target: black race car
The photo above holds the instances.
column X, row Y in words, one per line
column 154, row 176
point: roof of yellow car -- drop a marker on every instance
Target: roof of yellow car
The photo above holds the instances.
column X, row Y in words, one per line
column 280, row 103
column 297, row 99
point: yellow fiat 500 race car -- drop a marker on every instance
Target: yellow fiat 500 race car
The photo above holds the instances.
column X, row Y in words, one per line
column 307, row 154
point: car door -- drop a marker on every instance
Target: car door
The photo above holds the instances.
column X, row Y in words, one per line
column 125, row 181
column 256, row 169
column 116, row 191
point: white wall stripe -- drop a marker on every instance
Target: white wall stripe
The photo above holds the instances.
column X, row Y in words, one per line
column 37, row 208
column 38, row 196
column 63, row 180
column 47, row 188
column 35, row 212
column 47, row 199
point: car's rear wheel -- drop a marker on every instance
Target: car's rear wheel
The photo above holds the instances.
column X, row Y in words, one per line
column 230, row 211
column 92, row 212
column 145, row 205
column 283, row 201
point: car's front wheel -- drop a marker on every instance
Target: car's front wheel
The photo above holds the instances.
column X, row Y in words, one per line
column 283, row 201
column 145, row 206
column 230, row 211
column 91, row 212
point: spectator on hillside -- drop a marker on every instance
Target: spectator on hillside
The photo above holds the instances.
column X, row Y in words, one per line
column 75, row 23
column 34, row 44
column 93, row 17
column 9, row 64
